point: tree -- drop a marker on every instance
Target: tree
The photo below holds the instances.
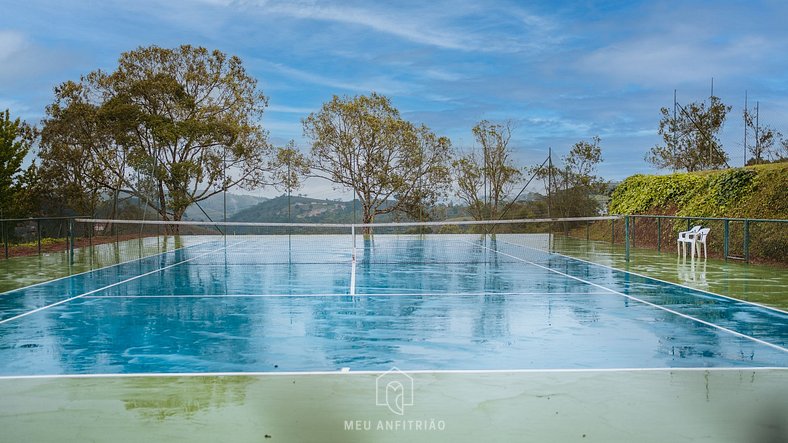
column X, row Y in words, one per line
column 468, row 172
column 170, row 127
column 16, row 141
column 573, row 185
column 690, row 138
column 362, row 143
column 290, row 166
column 764, row 149
column 71, row 178
column 484, row 183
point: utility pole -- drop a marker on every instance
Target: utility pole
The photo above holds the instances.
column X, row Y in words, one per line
column 711, row 103
column 549, row 181
column 757, row 130
column 675, row 123
column 746, row 113
column 224, row 184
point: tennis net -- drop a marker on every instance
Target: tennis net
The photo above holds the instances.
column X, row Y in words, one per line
column 107, row 241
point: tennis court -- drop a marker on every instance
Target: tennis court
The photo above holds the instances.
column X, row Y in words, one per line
column 301, row 302
column 323, row 303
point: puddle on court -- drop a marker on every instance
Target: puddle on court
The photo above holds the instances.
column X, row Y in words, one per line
column 588, row 406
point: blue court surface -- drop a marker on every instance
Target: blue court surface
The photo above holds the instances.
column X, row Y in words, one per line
column 302, row 303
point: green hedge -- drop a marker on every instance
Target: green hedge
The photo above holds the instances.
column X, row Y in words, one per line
column 754, row 192
column 751, row 192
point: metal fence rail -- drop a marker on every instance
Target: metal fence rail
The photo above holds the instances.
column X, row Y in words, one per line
column 36, row 235
column 731, row 238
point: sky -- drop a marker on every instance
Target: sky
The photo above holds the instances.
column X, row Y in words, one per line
column 560, row 71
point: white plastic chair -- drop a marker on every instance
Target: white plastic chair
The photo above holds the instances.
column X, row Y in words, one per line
column 700, row 237
column 693, row 238
column 684, row 238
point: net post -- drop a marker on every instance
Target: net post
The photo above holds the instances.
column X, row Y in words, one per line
column 725, row 238
column 353, row 234
column 659, row 234
column 626, row 237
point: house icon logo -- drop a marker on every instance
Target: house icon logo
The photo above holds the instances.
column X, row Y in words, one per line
column 394, row 389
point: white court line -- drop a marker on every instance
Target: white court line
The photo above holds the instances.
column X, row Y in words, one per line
column 651, row 278
column 25, row 314
column 414, row 371
column 105, row 267
column 722, row 328
column 401, row 294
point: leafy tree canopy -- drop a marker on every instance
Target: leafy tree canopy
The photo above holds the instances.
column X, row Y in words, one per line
column 362, row 143
column 485, row 180
column 573, row 185
column 168, row 126
column 690, row 138
column 16, row 141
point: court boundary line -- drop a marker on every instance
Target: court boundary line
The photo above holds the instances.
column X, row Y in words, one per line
column 772, row 308
column 613, row 291
column 25, row 314
column 103, row 268
column 328, row 295
column 341, row 372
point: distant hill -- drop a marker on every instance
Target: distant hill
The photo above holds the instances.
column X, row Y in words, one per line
column 530, row 196
column 311, row 210
column 303, row 209
column 214, row 206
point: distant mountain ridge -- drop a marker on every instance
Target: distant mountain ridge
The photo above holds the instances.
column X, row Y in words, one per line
column 312, row 210
column 302, row 209
column 214, row 206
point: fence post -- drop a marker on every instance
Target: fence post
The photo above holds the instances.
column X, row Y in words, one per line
column 71, row 241
column 633, row 231
column 659, row 234
column 612, row 231
column 588, row 226
column 38, row 235
column 747, row 240
column 5, row 238
column 626, row 237
column 725, row 238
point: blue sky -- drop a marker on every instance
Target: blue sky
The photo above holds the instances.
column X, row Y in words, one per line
column 561, row 71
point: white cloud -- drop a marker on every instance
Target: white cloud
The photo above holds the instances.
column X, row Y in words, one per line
column 11, row 43
column 379, row 84
column 683, row 53
column 432, row 24
column 290, row 109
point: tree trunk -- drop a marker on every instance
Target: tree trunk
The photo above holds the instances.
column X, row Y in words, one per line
column 177, row 215
column 369, row 217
